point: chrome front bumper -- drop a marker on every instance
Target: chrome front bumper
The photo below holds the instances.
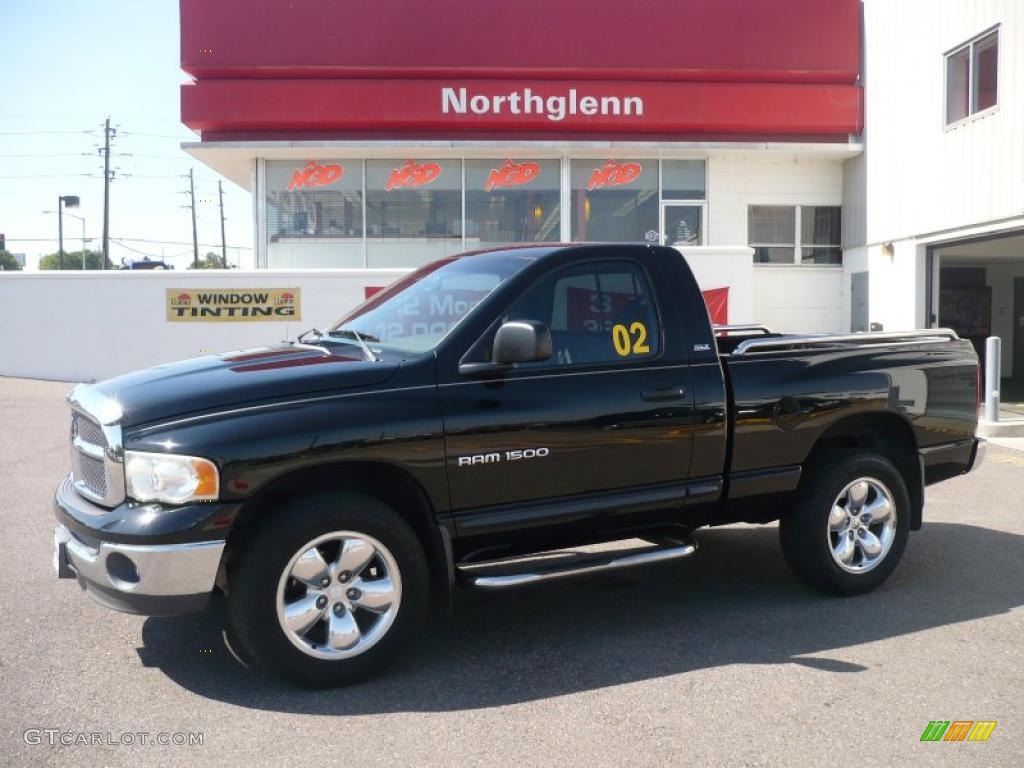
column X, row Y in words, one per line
column 155, row 580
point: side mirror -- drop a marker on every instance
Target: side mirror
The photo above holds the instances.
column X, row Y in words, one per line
column 517, row 341
column 521, row 341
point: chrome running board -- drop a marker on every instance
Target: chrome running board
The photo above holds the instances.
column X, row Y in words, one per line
column 573, row 566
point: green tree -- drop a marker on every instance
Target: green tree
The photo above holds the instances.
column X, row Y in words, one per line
column 8, row 263
column 73, row 260
column 210, row 261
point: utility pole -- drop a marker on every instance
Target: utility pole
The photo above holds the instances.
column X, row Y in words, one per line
column 108, row 133
column 60, row 232
column 223, row 241
column 195, row 236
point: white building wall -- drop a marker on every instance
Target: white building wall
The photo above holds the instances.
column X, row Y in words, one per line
column 800, row 299
column 922, row 177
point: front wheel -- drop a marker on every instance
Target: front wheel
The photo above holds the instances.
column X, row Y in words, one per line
column 849, row 526
column 328, row 590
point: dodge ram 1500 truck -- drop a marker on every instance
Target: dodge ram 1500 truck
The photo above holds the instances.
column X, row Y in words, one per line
column 484, row 410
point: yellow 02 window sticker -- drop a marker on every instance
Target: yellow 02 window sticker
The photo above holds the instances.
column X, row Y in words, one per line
column 631, row 340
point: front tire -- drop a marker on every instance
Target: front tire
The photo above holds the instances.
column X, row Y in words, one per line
column 328, row 590
column 849, row 526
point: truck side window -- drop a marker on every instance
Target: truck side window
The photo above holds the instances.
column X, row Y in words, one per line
column 597, row 313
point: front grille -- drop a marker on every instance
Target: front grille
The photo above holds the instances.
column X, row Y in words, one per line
column 92, row 473
column 96, row 470
column 87, row 429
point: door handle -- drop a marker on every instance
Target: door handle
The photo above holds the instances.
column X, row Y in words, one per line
column 661, row 394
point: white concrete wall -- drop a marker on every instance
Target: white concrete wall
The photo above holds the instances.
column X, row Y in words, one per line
column 732, row 268
column 800, row 299
column 896, row 285
column 84, row 326
column 920, row 176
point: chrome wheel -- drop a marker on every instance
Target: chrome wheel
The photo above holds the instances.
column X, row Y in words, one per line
column 338, row 595
column 862, row 525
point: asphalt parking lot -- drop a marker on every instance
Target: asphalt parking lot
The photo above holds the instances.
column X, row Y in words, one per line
column 724, row 659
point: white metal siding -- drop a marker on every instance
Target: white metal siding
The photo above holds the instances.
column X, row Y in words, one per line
column 920, row 176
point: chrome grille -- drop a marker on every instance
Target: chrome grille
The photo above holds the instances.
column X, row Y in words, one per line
column 97, row 471
column 87, row 429
column 91, row 472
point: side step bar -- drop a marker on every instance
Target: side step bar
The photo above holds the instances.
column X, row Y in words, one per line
column 582, row 564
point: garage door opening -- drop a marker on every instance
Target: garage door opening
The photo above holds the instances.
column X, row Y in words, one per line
column 981, row 294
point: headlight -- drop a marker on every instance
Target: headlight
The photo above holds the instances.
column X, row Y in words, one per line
column 170, row 478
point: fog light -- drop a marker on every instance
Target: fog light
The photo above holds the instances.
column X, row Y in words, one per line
column 122, row 571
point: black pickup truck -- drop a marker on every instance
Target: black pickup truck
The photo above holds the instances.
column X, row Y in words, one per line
column 479, row 414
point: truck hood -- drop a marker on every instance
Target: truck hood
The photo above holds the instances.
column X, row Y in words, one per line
column 213, row 382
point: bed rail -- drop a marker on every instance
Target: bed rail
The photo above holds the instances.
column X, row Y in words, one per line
column 923, row 336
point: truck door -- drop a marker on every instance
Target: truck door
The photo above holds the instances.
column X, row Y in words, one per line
column 608, row 419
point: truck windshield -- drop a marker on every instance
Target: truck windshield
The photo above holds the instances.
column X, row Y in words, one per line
column 415, row 313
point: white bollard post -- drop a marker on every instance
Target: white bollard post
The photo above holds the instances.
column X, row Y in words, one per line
column 993, row 366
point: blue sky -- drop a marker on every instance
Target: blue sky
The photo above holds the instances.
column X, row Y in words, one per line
column 64, row 66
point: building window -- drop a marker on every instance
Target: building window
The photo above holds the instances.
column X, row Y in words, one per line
column 512, row 201
column 614, row 200
column 413, row 211
column 972, row 77
column 311, row 205
column 820, row 236
column 772, row 231
column 683, row 191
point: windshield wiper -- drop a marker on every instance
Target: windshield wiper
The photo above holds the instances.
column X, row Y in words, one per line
column 359, row 338
column 343, row 332
column 365, row 347
column 302, row 336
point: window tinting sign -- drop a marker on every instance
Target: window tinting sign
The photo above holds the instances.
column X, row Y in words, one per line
column 412, row 174
column 233, row 304
column 511, row 174
column 312, row 174
column 614, row 174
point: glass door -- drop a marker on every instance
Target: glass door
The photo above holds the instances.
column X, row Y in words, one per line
column 682, row 224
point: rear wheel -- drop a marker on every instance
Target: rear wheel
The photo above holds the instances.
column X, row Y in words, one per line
column 849, row 526
column 329, row 590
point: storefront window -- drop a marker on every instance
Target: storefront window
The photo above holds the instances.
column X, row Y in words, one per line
column 413, row 211
column 683, row 180
column 315, row 213
column 614, row 200
column 512, row 201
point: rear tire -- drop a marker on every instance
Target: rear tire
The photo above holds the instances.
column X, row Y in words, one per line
column 849, row 525
column 328, row 590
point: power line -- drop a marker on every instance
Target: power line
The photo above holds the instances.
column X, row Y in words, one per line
column 157, row 135
column 48, row 154
column 52, row 176
column 48, row 133
column 177, row 242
